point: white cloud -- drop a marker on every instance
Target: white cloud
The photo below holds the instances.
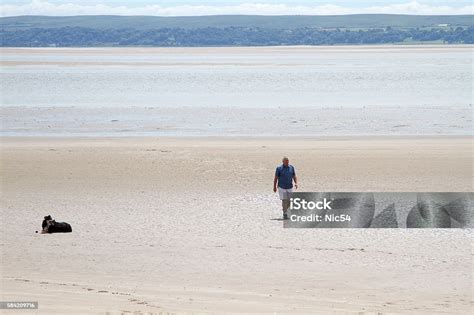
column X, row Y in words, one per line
column 41, row 7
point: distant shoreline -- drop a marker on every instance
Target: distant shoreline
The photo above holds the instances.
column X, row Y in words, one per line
column 146, row 50
column 380, row 45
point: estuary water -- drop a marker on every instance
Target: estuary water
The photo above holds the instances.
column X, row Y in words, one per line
column 363, row 90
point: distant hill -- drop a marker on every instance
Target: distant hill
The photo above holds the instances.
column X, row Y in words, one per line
column 233, row 30
column 222, row 21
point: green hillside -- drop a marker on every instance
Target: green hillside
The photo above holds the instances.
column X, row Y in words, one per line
column 233, row 30
column 361, row 21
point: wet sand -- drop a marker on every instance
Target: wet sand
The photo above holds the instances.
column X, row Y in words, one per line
column 236, row 122
column 13, row 57
column 190, row 224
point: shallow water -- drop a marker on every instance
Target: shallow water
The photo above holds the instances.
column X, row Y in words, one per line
column 234, row 91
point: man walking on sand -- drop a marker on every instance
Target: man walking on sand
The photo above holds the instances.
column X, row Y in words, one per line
column 284, row 176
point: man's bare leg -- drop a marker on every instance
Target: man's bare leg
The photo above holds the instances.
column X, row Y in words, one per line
column 285, row 203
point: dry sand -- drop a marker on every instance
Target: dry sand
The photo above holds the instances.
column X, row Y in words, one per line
column 182, row 224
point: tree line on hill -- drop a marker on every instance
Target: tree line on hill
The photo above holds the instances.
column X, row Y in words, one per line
column 227, row 36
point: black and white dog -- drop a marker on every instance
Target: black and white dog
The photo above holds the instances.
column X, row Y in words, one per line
column 51, row 226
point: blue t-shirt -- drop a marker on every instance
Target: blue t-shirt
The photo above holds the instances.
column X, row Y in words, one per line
column 285, row 176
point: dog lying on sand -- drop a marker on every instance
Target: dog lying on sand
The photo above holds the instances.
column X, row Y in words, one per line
column 51, row 226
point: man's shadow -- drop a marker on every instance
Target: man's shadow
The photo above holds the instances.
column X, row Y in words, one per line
column 277, row 219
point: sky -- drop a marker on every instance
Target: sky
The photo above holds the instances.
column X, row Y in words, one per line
column 209, row 7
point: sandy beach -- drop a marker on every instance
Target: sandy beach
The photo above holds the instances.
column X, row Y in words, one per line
column 190, row 225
